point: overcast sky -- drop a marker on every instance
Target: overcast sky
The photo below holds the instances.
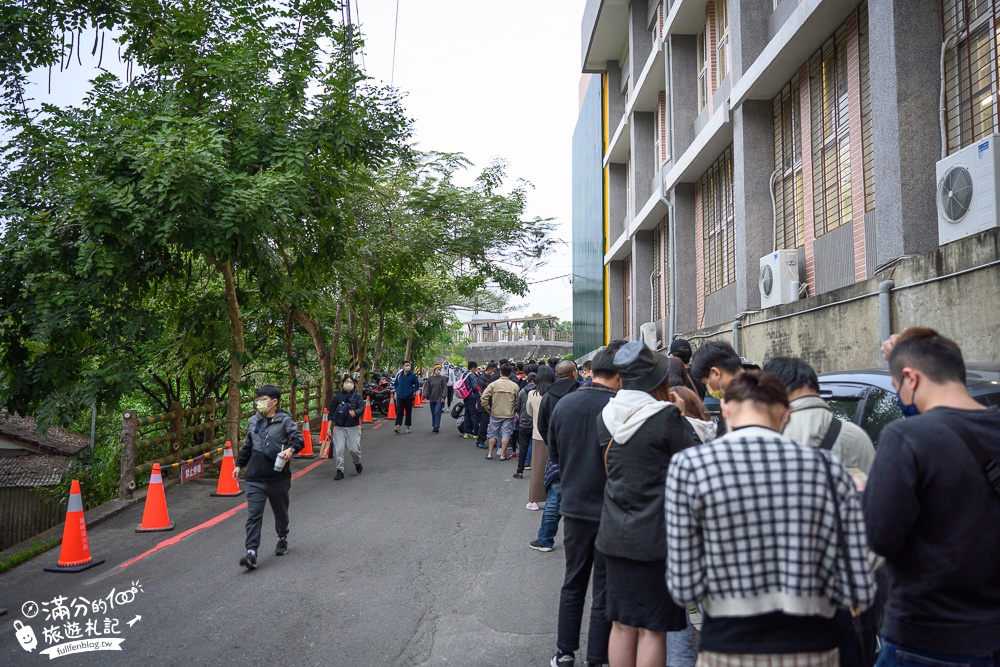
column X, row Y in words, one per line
column 487, row 79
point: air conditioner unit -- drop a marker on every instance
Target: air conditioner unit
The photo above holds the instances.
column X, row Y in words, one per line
column 779, row 278
column 967, row 190
column 647, row 333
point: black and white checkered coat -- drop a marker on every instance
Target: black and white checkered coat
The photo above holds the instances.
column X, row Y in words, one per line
column 751, row 529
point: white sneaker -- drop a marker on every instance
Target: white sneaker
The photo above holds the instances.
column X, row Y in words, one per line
column 407, row 429
column 532, row 507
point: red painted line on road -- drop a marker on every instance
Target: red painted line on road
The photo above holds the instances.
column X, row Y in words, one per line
column 208, row 524
column 377, row 426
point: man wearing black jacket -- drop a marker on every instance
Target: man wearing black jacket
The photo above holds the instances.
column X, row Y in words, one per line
column 564, row 384
column 271, row 435
column 575, row 448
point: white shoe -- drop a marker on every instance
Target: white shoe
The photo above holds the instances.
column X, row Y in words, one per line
column 407, row 429
column 532, row 507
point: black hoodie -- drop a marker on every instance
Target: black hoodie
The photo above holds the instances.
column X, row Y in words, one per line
column 265, row 438
column 558, row 389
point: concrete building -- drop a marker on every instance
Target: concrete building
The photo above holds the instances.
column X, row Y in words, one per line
column 732, row 130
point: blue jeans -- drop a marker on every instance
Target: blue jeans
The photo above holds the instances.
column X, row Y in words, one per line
column 893, row 655
column 550, row 517
column 471, row 416
column 436, row 408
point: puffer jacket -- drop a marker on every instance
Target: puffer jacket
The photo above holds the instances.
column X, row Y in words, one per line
column 265, row 438
column 646, row 432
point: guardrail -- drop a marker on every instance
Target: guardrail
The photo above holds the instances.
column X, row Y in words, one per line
column 183, row 435
column 513, row 335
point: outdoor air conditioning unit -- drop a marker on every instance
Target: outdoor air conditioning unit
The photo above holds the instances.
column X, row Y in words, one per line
column 779, row 278
column 647, row 332
column 967, row 190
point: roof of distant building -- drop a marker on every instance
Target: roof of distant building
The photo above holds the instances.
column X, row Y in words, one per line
column 22, row 431
column 31, row 470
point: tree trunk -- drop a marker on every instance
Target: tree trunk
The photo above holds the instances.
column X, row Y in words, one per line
column 292, row 369
column 376, row 362
column 233, row 411
column 409, row 347
column 315, row 331
column 335, row 347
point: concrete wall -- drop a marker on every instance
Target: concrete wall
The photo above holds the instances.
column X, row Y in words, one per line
column 839, row 330
column 481, row 353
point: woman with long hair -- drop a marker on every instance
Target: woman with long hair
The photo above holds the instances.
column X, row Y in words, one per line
column 539, row 452
column 640, row 429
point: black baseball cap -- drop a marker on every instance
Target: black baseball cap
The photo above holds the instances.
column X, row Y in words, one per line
column 681, row 348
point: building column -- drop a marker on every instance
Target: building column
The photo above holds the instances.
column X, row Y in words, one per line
column 905, row 51
column 616, row 309
column 753, row 162
column 640, row 40
column 642, row 268
column 686, row 271
column 749, row 33
column 682, row 92
column 643, row 161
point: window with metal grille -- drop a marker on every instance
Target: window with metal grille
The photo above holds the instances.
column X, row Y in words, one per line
column 718, row 224
column 864, row 65
column 721, row 41
column 831, row 134
column 970, row 70
column 789, row 202
column 702, row 70
column 660, row 147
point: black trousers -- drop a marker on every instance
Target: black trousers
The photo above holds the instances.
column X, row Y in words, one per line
column 523, row 440
column 484, row 425
column 404, row 406
column 451, row 394
column 582, row 559
column 257, row 494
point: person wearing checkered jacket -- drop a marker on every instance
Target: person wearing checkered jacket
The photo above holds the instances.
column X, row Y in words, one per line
column 752, row 536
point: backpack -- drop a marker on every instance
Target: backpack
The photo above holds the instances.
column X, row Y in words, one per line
column 342, row 414
column 462, row 387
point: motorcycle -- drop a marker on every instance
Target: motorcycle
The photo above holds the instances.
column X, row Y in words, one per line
column 379, row 396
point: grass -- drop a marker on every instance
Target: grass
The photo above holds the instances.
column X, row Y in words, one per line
column 35, row 549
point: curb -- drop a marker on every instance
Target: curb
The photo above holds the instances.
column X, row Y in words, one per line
column 95, row 517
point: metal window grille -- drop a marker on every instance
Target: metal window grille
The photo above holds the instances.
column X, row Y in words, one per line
column 657, row 272
column 722, row 41
column 970, row 70
column 831, row 134
column 702, row 70
column 719, row 224
column 627, row 297
column 788, row 186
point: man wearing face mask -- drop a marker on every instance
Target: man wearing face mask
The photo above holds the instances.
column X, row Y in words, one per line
column 346, row 410
column 272, row 439
column 715, row 365
column 407, row 385
column 933, row 511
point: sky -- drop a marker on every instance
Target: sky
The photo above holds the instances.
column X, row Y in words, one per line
column 487, row 79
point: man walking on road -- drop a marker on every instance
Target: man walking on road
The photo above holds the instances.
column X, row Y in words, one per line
column 272, row 439
column 499, row 401
column 407, row 385
column 575, row 447
column 932, row 509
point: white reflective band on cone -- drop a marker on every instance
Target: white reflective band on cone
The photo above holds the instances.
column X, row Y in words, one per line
column 75, row 503
column 156, row 478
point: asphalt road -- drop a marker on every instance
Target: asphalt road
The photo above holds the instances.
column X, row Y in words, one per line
column 420, row 560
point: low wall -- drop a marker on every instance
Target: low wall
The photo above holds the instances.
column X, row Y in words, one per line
column 484, row 352
column 954, row 289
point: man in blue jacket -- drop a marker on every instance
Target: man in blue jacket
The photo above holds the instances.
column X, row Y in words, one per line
column 407, row 385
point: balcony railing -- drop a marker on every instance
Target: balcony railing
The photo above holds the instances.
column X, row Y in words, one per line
column 514, row 335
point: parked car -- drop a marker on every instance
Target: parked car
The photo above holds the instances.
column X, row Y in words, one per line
column 866, row 397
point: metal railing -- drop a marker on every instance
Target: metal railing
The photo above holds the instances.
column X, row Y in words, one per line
column 513, row 335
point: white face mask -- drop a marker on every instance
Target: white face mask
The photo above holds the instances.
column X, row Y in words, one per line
column 406, row 368
column 437, row 372
column 348, row 386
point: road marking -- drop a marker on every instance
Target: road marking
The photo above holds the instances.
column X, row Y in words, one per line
column 377, row 426
column 208, row 524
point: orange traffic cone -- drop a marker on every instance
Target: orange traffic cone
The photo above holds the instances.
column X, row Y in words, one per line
column 392, row 407
column 74, row 555
column 416, row 400
column 227, row 485
column 307, row 451
column 367, row 419
column 154, row 515
column 324, row 428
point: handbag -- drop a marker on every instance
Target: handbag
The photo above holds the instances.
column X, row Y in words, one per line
column 324, row 450
column 863, row 653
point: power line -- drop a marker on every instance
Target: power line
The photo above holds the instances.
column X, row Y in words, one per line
column 357, row 14
column 395, row 34
column 547, row 280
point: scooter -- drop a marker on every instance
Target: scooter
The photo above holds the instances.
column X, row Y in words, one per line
column 379, row 395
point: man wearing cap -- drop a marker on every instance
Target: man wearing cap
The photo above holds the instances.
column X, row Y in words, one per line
column 574, row 446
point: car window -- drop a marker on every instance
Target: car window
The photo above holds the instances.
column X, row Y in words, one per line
column 844, row 407
column 880, row 409
column 989, row 399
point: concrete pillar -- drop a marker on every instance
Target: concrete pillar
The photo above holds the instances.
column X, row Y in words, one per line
column 753, row 162
column 643, row 160
column 686, row 271
column 682, row 91
column 640, row 40
column 748, row 34
column 905, row 49
column 617, row 204
column 616, row 101
column 642, row 268
column 615, row 306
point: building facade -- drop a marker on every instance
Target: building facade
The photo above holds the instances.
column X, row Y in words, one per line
column 792, row 143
